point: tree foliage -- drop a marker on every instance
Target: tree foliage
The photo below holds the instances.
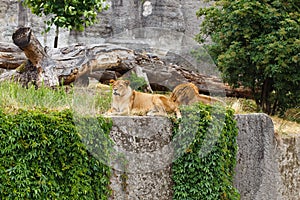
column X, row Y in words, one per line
column 256, row 44
column 70, row 14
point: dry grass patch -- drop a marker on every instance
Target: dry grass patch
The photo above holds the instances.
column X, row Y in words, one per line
column 287, row 125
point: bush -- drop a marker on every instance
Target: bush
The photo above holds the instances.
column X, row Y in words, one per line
column 137, row 83
column 56, row 155
column 256, row 44
column 205, row 170
column 43, row 157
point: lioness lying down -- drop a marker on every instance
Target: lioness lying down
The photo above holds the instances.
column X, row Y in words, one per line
column 126, row 101
column 188, row 93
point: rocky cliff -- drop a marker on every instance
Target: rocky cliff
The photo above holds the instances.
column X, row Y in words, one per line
column 266, row 169
column 178, row 17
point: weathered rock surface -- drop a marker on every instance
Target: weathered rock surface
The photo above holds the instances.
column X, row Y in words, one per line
column 289, row 166
column 143, row 170
column 173, row 15
column 268, row 165
column 264, row 170
column 257, row 171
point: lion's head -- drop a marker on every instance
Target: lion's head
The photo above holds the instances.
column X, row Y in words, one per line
column 120, row 87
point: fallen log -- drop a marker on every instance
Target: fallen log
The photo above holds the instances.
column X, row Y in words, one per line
column 41, row 63
column 11, row 56
column 51, row 67
column 33, row 63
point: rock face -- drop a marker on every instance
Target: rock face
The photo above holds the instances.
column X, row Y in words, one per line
column 144, row 143
column 121, row 17
column 257, row 171
column 268, row 166
column 289, row 166
column 266, row 169
column 162, row 27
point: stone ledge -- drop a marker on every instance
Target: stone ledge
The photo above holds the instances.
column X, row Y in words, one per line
column 144, row 143
column 263, row 171
column 257, row 173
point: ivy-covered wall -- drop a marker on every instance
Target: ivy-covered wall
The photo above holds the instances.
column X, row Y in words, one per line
column 56, row 155
column 43, row 157
column 206, row 168
column 192, row 158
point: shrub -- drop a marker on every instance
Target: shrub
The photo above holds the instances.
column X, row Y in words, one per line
column 137, row 83
column 205, row 169
column 43, row 157
column 256, row 44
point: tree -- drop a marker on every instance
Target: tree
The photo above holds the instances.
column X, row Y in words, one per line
column 256, row 44
column 70, row 14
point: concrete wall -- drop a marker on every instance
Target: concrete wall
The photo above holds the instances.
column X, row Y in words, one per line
column 268, row 165
column 257, row 171
column 266, row 169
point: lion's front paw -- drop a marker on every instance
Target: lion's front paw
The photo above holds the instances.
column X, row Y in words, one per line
column 107, row 114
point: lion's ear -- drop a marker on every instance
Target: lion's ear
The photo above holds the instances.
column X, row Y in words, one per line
column 111, row 81
column 127, row 82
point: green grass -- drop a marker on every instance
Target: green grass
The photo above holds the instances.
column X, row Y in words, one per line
column 91, row 101
column 13, row 97
column 97, row 100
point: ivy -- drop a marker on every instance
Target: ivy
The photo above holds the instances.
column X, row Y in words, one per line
column 56, row 155
column 208, row 141
column 43, row 157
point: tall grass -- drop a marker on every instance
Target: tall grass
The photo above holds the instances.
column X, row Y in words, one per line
column 13, row 97
column 91, row 101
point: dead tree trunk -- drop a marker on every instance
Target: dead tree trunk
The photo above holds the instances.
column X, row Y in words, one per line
column 39, row 62
column 25, row 40
column 11, row 56
column 102, row 62
column 59, row 66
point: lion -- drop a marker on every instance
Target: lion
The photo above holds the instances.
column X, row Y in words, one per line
column 126, row 101
column 188, row 93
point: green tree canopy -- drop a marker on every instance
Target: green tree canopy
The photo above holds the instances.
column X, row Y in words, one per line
column 256, row 44
column 70, row 14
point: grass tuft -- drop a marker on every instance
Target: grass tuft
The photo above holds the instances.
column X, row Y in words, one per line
column 97, row 100
column 14, row 97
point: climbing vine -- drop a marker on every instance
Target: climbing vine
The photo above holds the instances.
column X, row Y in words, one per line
column 54, row 155
column 43, row 156
column 206, row 154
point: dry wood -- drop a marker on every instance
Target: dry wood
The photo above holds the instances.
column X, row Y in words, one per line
column 78, row 63
column 42, row 64
column 25, row 40
column 11, row 56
